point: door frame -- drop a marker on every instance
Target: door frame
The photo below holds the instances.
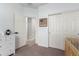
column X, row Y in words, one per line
column 34, row 28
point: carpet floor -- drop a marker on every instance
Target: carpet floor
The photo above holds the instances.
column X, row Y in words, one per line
column 36, row 50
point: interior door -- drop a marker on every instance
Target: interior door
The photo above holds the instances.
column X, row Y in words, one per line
column 72, row 23
column 7, row 22
column 56, row 31
column 62, row 26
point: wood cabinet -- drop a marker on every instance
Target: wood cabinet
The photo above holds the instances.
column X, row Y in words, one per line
column 71, row 47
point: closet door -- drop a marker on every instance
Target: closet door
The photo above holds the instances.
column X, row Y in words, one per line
column 56, row 31
column 69, row 20
column 62, row 26
column 76, row 22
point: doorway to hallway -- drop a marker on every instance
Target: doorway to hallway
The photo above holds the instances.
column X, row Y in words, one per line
column 30, row 27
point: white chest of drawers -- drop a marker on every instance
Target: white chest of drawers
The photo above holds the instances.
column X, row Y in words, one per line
column 7, row 45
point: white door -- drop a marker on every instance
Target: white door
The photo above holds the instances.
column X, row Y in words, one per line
column 56, row 29
column 72, row 23
column 62, row 26
column 7, row 22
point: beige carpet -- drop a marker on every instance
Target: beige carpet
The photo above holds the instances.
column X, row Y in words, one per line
column 36, row 50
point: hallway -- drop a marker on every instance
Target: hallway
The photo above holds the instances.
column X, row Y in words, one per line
column 36, row 50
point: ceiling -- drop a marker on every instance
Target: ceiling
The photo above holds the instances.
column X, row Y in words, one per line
column 32, row 5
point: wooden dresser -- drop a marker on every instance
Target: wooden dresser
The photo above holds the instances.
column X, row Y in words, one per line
column 72, row 47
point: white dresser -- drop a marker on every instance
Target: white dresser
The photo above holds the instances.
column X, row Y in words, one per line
column 7, row 45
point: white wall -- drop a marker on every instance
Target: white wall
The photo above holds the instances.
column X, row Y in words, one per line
column 20, row 26
column 6, row 17
column 20, row 23
column 42, row 36
column 42, row 32
column 30, row 12
column 52, row 8
column 45, row 10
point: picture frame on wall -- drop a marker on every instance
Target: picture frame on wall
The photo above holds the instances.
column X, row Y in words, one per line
column 43, row 22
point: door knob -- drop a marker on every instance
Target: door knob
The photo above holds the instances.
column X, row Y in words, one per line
column 15, row 32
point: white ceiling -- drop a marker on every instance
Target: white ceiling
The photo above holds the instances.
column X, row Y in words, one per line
column 32, row 5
